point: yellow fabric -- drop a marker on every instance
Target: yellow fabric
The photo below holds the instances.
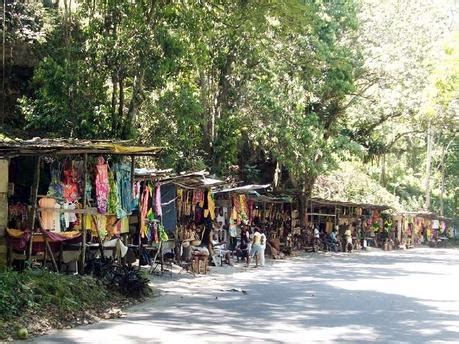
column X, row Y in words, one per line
column 211, row 207
column 15, row 233
column 68, row 235
column 125, row 225
column 126, row 149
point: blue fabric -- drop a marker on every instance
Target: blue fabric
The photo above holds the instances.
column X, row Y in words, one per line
column 169, row 207
column 123, row 180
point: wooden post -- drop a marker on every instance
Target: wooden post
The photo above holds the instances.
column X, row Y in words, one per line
column 132, row 171
column 50, row 253
column 33, row 201
column 85, row 183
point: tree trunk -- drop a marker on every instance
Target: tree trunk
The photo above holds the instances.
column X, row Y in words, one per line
column 115, row 119
column 442, row 188
column 306, row 195
column 382, row 179
column 428, row 168
column 135, row 103
column 121, row 99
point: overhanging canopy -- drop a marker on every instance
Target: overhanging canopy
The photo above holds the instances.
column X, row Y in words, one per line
column 244, row 189
column 38, row 146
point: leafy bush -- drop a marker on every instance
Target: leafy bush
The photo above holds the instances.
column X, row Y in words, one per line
column 34, row 289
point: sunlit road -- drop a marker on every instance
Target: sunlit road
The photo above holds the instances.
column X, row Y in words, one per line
column 403, row 297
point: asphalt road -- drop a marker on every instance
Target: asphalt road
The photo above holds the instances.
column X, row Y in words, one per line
column 388, row 297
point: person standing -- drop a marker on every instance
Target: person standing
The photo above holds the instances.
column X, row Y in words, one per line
column 256, row 246
column 263, row 247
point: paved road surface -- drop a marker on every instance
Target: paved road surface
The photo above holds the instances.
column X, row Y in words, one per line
column 388, row 297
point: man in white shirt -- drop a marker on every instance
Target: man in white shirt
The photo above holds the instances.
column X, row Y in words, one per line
column 256, row 246
column 263, row 247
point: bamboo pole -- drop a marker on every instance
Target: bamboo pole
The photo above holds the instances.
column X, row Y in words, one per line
column 33, row 213
column 85, row 183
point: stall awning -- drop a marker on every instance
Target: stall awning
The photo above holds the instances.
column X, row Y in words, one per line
column 42, row 146
column 325, row 202
column 244, row 188
column 187, row 180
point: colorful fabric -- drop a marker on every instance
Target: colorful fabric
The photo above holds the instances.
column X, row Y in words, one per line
column 198, row 197
column 70, row 186
column 210, row 211
column 102, row 185
column 114, row 206
column 56, row 188
column 162, row 234
column 123, row 181
column 158, row 206
column 143, row 210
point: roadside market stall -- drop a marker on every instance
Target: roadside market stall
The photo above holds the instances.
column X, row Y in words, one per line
column 187, row 213
column 67, row 191
column 419, row 227
column 366, row 221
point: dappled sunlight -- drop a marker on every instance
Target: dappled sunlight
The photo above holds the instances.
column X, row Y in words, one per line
column 386, row 297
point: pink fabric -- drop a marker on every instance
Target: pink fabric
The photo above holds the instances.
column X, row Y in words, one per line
column 198, row 196
column 102, row 186
column 70, row 186
column 158, row 208
column 144, row 210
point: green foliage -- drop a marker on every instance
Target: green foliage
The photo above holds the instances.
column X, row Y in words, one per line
column 36, row 289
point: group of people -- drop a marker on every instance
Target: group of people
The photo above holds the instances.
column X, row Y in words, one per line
column 250, row 245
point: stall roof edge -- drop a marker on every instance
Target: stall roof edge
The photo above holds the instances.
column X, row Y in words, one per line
column 244, row 188
column 349, row 204
column 47, row 146
column 423, row 213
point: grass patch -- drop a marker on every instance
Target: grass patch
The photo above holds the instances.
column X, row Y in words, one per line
column 39, row 298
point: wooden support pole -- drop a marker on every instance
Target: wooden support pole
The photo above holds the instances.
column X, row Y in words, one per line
column 50, row 253
column 132, row 172
column 85, row 201
column 33, row 201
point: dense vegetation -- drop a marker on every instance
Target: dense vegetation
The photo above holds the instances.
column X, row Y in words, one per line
column 282, row 90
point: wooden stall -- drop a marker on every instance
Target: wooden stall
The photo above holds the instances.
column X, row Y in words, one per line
column 67, row 191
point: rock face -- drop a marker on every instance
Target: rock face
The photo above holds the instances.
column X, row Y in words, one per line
column 17, row 71
column 3, row 208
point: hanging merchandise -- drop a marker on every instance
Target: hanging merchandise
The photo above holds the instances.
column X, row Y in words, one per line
column 158, row 207
column 244, row 208
column 47, row 213
column 162, row 233
column 198, row 197
column 143, row 210
column 70, row 186
column 56, row 188
column 114, row 203
column 123, row 180
column 209, row 206
column 102, row 185
column 136, row 196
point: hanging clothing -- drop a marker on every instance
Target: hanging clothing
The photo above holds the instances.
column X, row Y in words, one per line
column 68, row 216
column 158, row 207
column 56, row 188
column 47, row 215
column 114, row 203
column 209, row 206
column 70, row 187
column 198, row 197
column 143, row 210
column 123, row 181
column 102, row 185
